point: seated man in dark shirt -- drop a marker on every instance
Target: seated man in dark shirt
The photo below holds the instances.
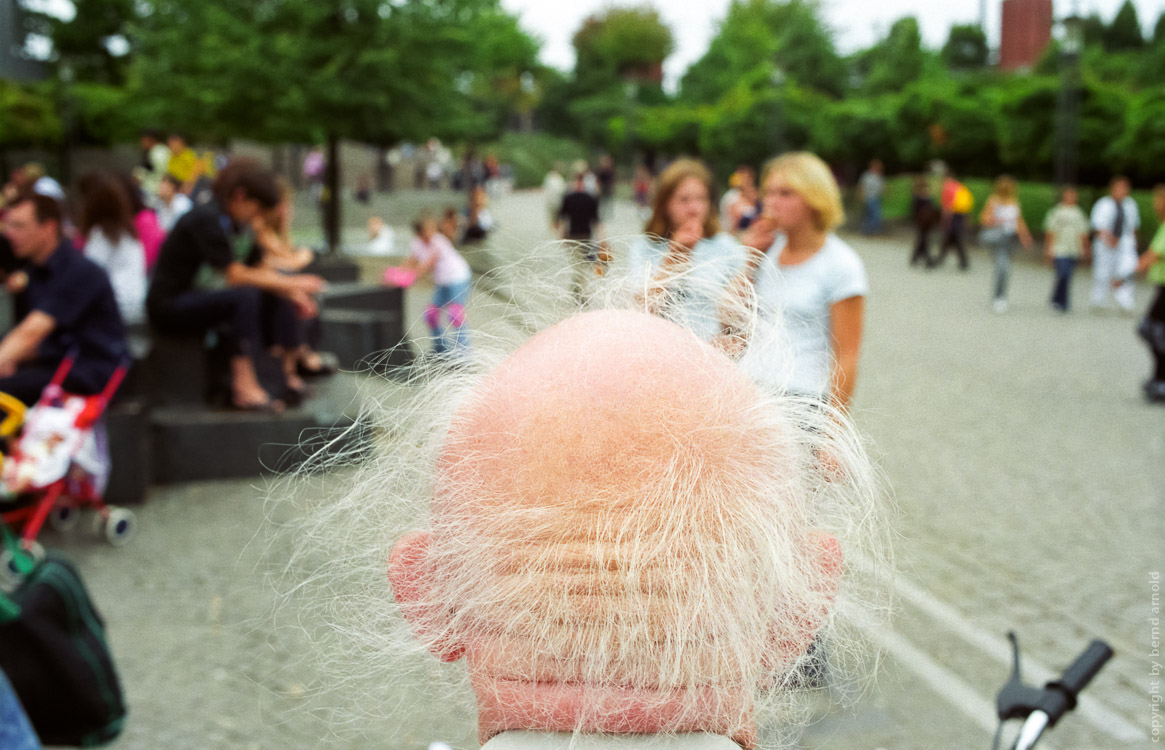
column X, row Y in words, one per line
column 71, row 307
column 202, row 279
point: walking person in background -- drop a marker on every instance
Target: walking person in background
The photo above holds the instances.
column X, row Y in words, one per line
column 926, row 216
column 580, row 213
column 810, row 277
column 872, row 185
column 1065, row 244
column 1152, row 328
column 1003, row 225
column 956, row 203
column 1114, row 251
column 553, row 190
column 641, row 187
column 606, row 177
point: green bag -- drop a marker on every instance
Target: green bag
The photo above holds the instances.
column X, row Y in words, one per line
column 54, row 651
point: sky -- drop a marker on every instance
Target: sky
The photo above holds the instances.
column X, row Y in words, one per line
column 856, row 23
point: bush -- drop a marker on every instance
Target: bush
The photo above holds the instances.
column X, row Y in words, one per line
column 531, row 155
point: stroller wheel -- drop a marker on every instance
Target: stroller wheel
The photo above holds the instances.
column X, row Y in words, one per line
column 10, row 571
column 120, row 526
column 64, row 517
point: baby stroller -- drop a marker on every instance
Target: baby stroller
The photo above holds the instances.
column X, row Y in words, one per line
column 59, row 464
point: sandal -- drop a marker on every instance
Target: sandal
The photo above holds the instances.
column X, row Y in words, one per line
column 270, row 406
column 325, row 364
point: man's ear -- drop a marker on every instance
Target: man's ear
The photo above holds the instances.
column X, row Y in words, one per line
column 796, row 640
column 411, row 578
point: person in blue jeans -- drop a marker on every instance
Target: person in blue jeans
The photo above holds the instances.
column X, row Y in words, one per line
column 1065, row 244
column 431, row 253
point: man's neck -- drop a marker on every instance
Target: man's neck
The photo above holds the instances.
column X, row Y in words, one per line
column 504, row 705
column 42, row 255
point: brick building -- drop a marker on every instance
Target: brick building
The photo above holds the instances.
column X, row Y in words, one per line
column 1025, row 32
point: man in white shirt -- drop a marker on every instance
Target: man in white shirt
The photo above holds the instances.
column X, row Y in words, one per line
column 1114, row 251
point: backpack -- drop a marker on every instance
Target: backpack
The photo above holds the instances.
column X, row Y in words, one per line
column 963, row 201
column 54, row 651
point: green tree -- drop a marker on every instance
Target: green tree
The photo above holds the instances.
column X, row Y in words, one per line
column 307, row 71
column 1141, row 148
column 619, row 42
column 895, row 61
column 28, row 116
column 1159, row 30
column 93, row 45
column 1124, row 33
column 1027, row 125
column 787, row 36
column 1093, row 29
column 966, row 48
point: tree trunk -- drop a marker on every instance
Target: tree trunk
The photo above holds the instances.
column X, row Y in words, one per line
column 332, row 190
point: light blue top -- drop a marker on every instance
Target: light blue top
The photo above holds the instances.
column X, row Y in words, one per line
column 695, row 294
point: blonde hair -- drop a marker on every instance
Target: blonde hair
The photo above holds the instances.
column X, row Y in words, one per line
column 811, row 177
column 659, row 225
column 1005, row 189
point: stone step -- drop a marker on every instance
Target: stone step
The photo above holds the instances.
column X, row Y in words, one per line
column 196, row 443
column 364, row 340
column 335, row 270
column 363, row 297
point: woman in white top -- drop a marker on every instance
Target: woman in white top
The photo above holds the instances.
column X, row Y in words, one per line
column 1003, row 224
column 683, row 268
column 432, row 253
column 809, row 277
column 111, row 241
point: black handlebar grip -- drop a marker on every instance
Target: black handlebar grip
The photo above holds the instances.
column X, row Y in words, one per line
column 1075, row 678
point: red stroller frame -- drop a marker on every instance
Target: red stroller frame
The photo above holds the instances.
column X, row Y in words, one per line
column 64, row 496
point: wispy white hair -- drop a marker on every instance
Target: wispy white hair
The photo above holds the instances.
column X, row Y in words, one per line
column 600, row 515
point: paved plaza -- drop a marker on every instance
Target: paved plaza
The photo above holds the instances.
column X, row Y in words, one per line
column 1027, row 473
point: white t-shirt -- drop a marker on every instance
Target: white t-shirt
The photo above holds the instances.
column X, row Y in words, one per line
column 1104, row 216
column 699, row 288
column 450, row 267
column 1006, row 216
column 801, row 296
column 168, row 214
column 125, row 263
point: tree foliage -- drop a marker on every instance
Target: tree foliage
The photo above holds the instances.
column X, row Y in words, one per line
column 298, row 69
column 28, row 116
column 619, row 41
column 895, row 61
column 786, row 36
column 966, row 48
column 1124, row 33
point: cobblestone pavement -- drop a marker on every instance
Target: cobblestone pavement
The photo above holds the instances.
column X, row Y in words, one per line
column 1028, row 474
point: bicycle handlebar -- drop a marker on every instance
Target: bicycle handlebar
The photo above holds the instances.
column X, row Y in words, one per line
column 1041, row 709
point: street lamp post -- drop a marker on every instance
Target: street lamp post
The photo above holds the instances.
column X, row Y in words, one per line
column 777, row 78
column 1068, row 103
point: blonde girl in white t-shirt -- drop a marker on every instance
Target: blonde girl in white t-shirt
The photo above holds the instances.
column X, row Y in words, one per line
column 1003, row 224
